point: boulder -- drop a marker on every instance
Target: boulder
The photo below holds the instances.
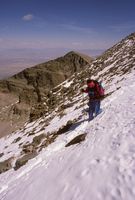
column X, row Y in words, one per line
column 77, row 140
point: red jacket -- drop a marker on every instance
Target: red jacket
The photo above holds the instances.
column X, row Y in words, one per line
column 94, row 93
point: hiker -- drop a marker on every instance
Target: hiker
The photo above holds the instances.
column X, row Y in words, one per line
column 95, row 92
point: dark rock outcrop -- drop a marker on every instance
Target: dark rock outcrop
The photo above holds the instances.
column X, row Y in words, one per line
column 6, row 165
column 23, row 160
column 76, row 140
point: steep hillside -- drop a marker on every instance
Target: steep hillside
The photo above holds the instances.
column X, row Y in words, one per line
column 120, row 59
column 82, row 161
column 62, row 156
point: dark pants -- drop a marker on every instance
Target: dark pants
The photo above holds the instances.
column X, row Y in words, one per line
column 94, row 108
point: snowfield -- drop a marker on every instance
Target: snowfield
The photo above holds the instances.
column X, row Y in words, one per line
column 100, row 168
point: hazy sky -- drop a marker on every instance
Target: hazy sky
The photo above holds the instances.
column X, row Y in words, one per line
column 75, row 24
column 32, row 31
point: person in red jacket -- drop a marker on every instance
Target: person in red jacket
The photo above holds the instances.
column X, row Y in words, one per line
column 95, row 92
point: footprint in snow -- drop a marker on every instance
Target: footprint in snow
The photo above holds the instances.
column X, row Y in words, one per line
column 85, row 172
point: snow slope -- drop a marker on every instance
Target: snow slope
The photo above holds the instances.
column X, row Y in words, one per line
column 100, row 168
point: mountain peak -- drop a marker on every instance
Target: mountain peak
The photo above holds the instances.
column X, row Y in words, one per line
column 70, row 53
column 81, row 55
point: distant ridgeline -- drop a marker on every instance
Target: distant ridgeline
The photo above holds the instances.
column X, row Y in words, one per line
column 32, row 84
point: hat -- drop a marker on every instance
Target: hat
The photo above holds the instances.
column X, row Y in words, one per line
column 89, row 80
column 91, row 84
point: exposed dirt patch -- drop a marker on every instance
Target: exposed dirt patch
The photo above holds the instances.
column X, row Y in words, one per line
column 6, row 165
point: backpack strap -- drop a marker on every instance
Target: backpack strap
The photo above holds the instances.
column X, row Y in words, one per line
column 100, row 89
